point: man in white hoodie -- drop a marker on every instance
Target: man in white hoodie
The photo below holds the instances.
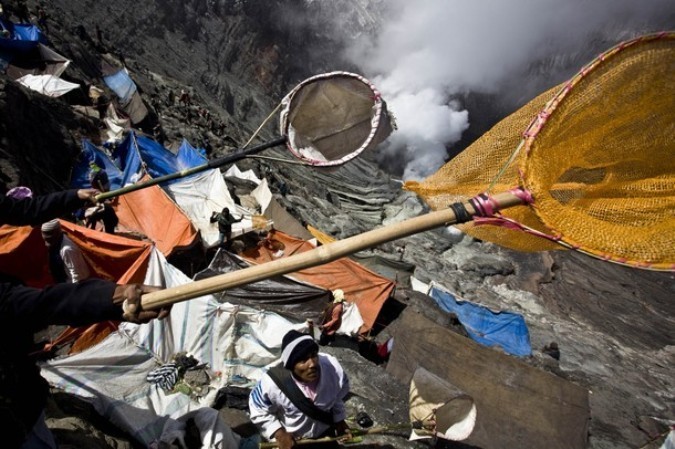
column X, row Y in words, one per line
column 304, row 398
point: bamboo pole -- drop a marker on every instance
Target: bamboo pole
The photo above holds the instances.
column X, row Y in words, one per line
column 318, row 256
column 356, row 433
column 215, row 163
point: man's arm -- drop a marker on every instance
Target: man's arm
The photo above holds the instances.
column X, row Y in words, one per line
column 33, row 211
column 87, row 302
column 262, row 409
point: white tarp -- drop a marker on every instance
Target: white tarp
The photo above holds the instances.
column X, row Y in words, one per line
column 48, row 85
column 234, row 172
column 262, row 194
column 237, row 343
column 201, row 195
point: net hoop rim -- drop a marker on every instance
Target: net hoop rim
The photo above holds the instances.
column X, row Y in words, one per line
column 538, row 123
column 375, row 119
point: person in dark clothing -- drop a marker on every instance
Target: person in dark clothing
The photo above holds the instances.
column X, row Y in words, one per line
column 225, row 221
column 103, row 211
column 25, row 310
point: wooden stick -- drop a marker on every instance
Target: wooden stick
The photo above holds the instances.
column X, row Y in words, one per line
column 318, row 256
column 355, row 434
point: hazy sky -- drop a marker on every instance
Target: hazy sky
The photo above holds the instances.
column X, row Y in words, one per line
column 428, row 50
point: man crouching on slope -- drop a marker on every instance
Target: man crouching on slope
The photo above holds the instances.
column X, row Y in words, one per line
column 303, row 398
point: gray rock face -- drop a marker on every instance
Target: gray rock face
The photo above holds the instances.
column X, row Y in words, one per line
column 613, row 325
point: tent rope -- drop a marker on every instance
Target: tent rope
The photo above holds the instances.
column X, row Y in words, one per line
column 255, row 133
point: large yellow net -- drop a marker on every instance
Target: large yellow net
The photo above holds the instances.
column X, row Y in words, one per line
column 597, row 153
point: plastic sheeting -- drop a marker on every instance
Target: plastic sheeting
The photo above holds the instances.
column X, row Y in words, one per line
column 504, row 329
column 366, row 289
column 23, row 36
column 48, row 85
column 204, row 194
column 122, row 84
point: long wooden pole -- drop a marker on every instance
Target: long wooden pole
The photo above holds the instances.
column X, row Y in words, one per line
column 214, row 163
column 318, row 256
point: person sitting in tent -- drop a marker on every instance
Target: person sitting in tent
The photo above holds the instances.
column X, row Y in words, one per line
column 302, row 398
column 225, row 221
column 331, row 319
column 25, row 310
column 66, row 262
column 22, row 14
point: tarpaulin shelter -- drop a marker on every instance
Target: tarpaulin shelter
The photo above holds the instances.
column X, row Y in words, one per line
column 506, row 330
column 517, row 405
column 148, row 211
column 236, row 342
column 22, row 36
column 282, row 295
column 198, row 195
column 25, row 59
column 23, row 255
column 119, row 81
column 366, row 289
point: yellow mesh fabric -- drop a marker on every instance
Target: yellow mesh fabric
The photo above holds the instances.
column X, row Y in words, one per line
column 472, row 171
column 599, row 161
column 602, row 168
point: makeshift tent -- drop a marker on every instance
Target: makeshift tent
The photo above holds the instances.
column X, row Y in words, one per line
column 23, row 255
column 278, row 294
column 148, row 211
column 198, row 195
column 236, row 342
column 518, row 405
column 506, row 330
column 36, row 67
column 38, row 60
column 119, row 81
column 151, row 212
column 361, row 286
column 22, row 36
column 48, row 85
column 296, row 300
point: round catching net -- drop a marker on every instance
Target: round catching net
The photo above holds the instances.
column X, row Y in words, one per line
column 597, row 158
column 331, row 118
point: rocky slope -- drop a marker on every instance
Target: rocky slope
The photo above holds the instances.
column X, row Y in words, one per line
column 238, row 58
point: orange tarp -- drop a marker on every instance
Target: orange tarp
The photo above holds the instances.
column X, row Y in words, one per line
column 23, row 255
column 151, row 212
column 366, row 289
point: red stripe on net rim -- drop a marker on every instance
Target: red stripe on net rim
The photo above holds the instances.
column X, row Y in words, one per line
column 376, row 117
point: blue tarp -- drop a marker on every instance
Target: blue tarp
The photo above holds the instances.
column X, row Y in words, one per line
column 122, row 169
column 161, row 162
column 122, row 84
column 22, row 36
column 126, row 163
column 505, row 329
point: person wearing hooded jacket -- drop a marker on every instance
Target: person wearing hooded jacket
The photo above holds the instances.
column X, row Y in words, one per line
column 319, row 377
column 25, row 310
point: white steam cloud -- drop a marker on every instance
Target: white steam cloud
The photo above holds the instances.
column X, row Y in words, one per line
column 429, row 50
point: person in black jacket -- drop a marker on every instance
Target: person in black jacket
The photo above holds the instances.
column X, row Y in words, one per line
column 25, row 310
